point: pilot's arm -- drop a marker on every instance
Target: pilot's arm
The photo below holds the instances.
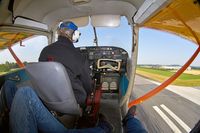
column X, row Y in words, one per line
column 86, row 78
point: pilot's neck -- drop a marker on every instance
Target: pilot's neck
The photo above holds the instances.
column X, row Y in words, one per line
column 64, row 39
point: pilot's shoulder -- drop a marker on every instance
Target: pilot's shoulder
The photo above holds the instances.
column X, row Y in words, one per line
column 50, row 46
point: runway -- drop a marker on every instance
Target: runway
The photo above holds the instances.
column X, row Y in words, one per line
column 174, row 110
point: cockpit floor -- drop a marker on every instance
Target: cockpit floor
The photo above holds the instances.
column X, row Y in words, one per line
column 110, row 108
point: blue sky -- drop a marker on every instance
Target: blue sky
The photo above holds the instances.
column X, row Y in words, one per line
column 155, row 47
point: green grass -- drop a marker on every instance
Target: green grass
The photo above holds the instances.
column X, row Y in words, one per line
column 161, row 75
column 2, row 73
column 156, row 71
column 12, row 70
column 189, row 77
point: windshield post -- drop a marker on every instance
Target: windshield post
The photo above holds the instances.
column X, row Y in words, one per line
column 133, row 63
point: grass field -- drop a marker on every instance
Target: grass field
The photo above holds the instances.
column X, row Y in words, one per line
column 12, row 70
column 1, row 73
column 161, row 75
column 194, row 72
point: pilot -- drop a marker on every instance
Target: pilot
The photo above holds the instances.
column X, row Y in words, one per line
column 77, row 66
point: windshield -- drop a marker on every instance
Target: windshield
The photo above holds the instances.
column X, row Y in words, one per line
column 120, row 36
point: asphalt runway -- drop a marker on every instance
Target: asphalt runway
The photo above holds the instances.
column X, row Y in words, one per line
column 174, row 110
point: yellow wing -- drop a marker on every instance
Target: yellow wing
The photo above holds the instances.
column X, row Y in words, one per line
column 181, row 17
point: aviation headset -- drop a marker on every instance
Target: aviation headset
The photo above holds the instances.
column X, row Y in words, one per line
column 71, row 26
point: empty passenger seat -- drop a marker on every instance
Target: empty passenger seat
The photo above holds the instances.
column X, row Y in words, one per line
column 52, row 84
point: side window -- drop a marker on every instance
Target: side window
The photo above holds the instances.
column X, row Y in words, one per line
column 27, row 51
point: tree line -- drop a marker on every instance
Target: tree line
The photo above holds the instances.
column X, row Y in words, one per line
column 9, row 66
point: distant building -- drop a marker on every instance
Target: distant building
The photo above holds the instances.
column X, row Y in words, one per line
column 151, row 66
column 167, row 67
column 173, row 67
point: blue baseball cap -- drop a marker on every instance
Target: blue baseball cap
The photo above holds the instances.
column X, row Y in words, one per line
column 68, row 25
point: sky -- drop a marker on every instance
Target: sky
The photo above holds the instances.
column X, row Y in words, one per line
column 155, row 47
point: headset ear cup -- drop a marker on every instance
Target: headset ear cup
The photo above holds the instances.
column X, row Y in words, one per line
column 76, row 36
column 73, row 36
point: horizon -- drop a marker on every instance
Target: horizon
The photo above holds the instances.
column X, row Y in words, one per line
column 137, row 64
column 164, row 65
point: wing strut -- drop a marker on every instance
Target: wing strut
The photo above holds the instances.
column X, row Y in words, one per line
column 19, row 63
column 173, row 77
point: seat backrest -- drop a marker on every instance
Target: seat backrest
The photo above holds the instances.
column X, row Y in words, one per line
column 52, row 84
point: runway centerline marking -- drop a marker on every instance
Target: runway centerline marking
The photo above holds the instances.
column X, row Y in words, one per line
column 188, row 129
column 174, row 128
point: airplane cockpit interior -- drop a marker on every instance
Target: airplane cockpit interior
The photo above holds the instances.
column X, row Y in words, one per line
column 112, row 66
column 107, row 64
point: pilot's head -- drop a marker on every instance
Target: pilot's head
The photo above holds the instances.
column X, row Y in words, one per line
column 70, row 30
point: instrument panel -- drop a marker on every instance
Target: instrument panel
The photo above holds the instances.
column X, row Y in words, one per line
column 104, row 52
column 93, row 54
column 107, row 64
